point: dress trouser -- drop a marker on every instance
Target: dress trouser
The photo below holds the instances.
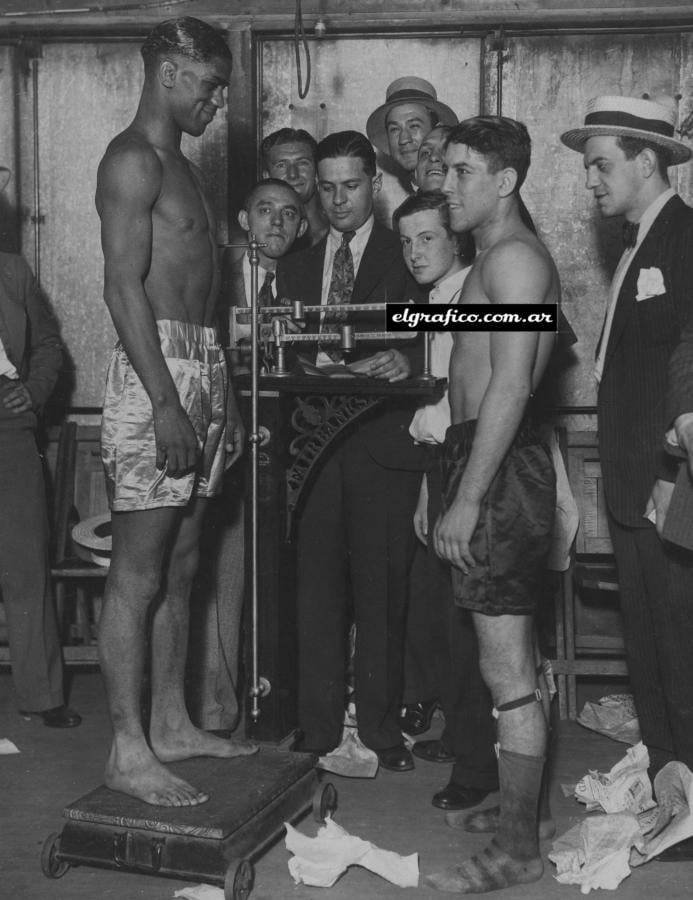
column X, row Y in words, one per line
column 656, row 595
column 24, row 574
column 465, row 699
column 355, row 542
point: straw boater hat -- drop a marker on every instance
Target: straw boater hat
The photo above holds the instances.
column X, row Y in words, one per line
column 92, row 538
column 649, row 120
column 408, row 89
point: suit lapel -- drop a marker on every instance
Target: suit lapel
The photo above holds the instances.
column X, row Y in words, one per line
column 374, row 262
column 310, row 280
column 647, row 255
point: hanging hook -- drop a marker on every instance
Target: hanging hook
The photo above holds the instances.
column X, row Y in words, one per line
column 300, row 37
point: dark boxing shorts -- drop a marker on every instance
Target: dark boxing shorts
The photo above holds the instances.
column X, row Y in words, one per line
column 512, row 539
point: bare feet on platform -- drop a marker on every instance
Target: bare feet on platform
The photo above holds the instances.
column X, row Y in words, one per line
column 174, row 744
column 491, row 870
column 485, row 821
column 139, row 774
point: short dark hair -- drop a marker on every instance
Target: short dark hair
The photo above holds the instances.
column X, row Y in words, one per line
column 275, row 182
column 187, row 37
column 288, row 136
column 435, row 200
column 631, row 146
column 503, row 141
column 348, row 143
column 420, row 202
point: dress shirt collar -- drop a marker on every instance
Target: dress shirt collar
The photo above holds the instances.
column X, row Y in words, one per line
column 261, row 272
column 359, row 240
column 449, row 289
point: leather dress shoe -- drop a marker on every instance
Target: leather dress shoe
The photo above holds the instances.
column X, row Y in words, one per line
column 58, row 717
column 433, row 751
column 681, row 852
column 397, row 759
column 415, row 718
column 454, row 796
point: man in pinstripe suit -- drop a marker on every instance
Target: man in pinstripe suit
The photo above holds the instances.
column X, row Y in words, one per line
column 628, row 145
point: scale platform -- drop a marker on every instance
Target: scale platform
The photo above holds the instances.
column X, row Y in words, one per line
column 250, row 799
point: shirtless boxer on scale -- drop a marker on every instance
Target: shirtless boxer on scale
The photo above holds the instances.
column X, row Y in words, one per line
column 170, row 422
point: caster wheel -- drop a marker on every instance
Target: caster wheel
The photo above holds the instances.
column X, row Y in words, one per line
column 324, row 801
column 239, row 879
column 51, row 866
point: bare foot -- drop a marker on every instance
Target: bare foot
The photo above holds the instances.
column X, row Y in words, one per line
column 171, row 745
column 140, row 774
column 485, row 821
column 492, row 870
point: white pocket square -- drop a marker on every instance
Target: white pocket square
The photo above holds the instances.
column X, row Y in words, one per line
column 650, row 284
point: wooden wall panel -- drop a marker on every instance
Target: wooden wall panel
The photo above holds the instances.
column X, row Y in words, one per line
column 9, row 88
column 546, row 84
column 345, row 14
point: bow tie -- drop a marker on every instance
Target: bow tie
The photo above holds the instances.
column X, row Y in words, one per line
column 630, row 234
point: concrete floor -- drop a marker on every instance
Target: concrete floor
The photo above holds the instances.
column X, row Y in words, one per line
column 392, row 810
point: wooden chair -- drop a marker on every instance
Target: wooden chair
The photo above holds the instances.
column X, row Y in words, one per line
column 589, row 640
column 79, row 492
column 75, row 483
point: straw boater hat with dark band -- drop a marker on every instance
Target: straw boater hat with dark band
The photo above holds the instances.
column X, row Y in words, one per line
column 408, row 89
column 649, row 120
column 92, row 538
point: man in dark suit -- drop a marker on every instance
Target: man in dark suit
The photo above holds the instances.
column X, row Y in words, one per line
column 627, row 145
column 274, row 213
column 31, row 357
column 355, row 534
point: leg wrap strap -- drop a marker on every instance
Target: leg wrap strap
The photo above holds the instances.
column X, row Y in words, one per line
column 534, row 697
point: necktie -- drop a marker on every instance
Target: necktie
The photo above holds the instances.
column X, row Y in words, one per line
column 264, row 295
column 341, row 289
column 630, row 234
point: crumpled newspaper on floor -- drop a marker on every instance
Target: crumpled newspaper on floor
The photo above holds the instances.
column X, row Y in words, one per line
column 625, row 787
column 319, row 861
column 595, row 853
column 200, row 892
column 599, row 852
column 614, row 716
column 352, row 758
column 673, row 786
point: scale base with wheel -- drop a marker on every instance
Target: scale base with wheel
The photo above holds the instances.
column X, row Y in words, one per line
column 251, row 798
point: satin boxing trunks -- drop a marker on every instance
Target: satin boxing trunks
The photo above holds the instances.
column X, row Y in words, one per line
column 128, row 446
column 512, row 539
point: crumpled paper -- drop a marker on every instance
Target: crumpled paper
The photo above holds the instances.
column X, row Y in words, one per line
column 595, row 853
column 7, row 747
column 625, row 787
column 200, row 892
column 319, row 861
column 352, row 758
column 673, row 786
column 599, row 852
column 614, row 716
